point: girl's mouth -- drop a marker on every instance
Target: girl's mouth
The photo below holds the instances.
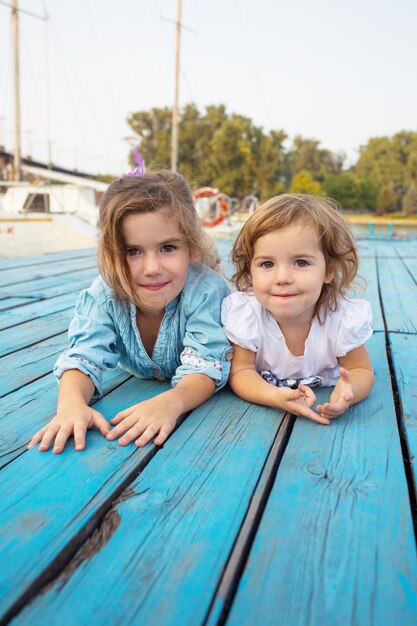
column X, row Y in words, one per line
column 154, row 286
column 284, row 295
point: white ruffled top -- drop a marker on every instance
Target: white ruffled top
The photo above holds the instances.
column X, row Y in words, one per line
column 253, row 327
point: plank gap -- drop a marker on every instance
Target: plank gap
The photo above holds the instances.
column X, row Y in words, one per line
column 406, row 456
column 223, row 597
column 29, row 345
column 408, row 466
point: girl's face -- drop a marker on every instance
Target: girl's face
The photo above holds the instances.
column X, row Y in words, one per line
column 158, row 258
column 288, row 271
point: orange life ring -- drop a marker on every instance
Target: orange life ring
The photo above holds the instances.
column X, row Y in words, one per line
column 221, row 200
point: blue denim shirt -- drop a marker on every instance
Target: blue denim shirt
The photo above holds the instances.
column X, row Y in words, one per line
column 104, row 334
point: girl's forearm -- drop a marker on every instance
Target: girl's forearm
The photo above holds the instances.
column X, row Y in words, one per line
column 191, row 391
column 75, row 385
column 250, row 386
column 362, row 380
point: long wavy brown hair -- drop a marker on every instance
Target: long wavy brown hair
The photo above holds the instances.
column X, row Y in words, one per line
column 163, row 191
column 335, row 239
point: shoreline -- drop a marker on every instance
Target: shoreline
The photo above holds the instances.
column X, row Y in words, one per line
column 369, row 218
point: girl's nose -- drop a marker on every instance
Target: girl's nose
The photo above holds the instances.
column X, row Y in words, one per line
column 151, row 264
column 282, row 275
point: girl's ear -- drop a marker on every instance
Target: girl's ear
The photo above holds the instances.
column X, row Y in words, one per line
column 193, row 258
column 329, row 274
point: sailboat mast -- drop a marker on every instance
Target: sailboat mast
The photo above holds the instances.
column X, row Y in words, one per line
column 15, row 35
column 174, row 135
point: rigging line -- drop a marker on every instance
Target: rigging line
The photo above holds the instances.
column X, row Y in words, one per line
column 36, row 102
column 254, row 68
column 171, row 47
column 67, row 82
column 93, row 110
column 101, row 60
column 39, row 17
column 132, row 61
column 5, row 65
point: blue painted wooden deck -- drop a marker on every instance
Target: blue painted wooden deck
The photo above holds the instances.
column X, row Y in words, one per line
column 246, row 516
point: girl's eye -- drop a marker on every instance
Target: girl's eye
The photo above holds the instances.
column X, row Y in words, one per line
column 168, row 248
column 267, row 265
column 301, row 263
column 132, row 252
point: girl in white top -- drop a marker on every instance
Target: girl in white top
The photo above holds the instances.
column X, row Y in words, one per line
column 291, row 323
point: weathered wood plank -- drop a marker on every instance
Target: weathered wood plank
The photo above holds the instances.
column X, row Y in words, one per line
column 181, row 516
column 368, row 271
column 386, row 249
column 51, row 286
column 411, row 264
column 18, row 275
column 399, row 295
column 18, row 337
column 47, row 499
column 407, row 249
column 36, row 309
column 26, row 410
column 366, row 248
column 27, row 261
column 404, row 351
column 336, row 542
column 10, row 303
column 31, row 363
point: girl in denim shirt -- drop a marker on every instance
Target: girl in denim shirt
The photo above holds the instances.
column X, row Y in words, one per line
column 154, row 311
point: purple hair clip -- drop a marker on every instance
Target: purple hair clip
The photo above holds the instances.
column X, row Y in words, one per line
column 140, row 170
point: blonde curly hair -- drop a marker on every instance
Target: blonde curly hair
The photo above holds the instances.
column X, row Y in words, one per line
column 335, row 239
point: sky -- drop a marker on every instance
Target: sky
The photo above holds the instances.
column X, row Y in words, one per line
column 335, row 71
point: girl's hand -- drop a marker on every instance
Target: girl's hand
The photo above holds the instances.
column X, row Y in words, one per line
column 142, row 422
column 299, row 402
column 341, row 397
column 71, row 418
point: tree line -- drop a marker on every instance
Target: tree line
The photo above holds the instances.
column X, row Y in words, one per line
column 230, row 152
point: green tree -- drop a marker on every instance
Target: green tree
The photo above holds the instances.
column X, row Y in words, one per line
column 304, row 183
column 390, row 161
column 386, row 200
column 350, row 191
column 195, row 134
column 232, row 162
column 270, row 170
column 153, row 128
column 306, row 155
column 409, row 202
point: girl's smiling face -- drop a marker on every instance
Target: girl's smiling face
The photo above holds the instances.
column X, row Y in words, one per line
column 288, row 271
column 158, row 258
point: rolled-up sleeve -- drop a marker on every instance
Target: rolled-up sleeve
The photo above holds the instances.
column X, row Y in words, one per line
column 92, row 340
column 206, row 349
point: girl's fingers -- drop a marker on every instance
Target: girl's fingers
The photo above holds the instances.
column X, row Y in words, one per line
column 149, row 432
column 320, row 419
column 305, row 411
column 130, row 435
column 162, row 437
column 101, row 423
column 120, row 429
column 37, row 437
column 48, row 436
column 61, row 439
column 121, row 416
column 79, row 435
